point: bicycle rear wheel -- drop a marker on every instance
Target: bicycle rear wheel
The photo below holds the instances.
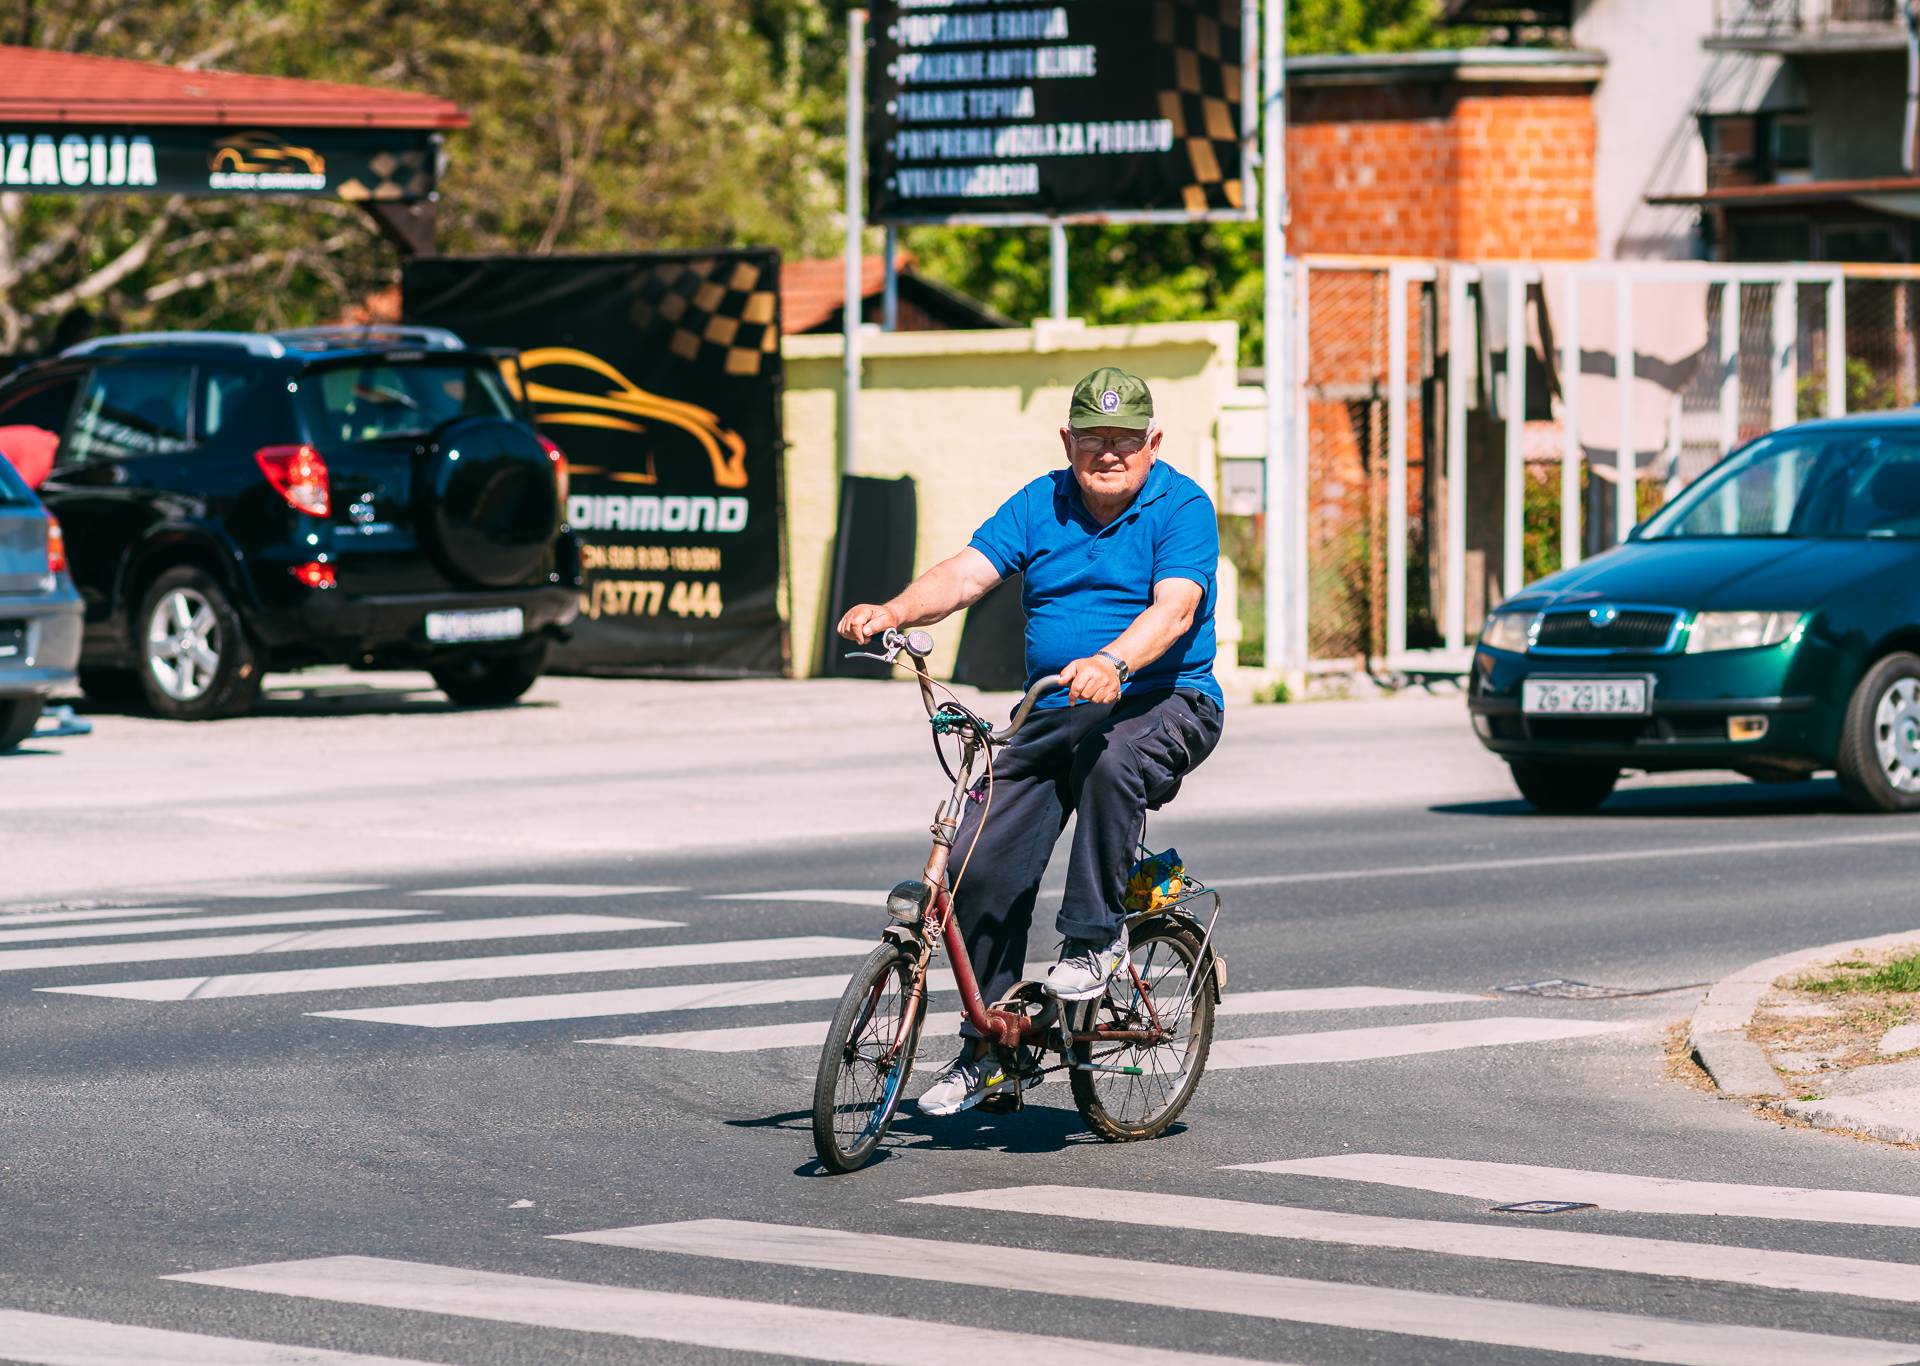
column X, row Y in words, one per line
column 866, row 1060
column 1131, row 1091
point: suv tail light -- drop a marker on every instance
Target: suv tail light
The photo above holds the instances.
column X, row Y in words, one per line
column 56, row 547
column 299, row 475
column 562, row 480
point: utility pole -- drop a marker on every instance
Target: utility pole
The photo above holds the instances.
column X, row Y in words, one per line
column 1286, row 553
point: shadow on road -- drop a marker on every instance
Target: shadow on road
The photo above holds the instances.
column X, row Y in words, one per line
column 311, row 700
column 1036, row 1129
column 1816, row 797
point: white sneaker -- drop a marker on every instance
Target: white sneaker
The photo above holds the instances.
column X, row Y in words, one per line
column 968, row 1080
column 1085, row 967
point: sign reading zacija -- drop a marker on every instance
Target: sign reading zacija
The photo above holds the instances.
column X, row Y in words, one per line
column 345, row 163
column 658, row 373
column 982, row 109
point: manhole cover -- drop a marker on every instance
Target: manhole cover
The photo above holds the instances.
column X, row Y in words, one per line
column 1565, row 988
column 1543, row 1207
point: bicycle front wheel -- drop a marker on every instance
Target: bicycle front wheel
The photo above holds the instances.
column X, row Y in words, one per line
column 1130, row 1091
column 866, row 1060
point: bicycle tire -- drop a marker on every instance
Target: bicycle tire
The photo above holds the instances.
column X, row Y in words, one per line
column 1101, row 1097
column 851, row 1112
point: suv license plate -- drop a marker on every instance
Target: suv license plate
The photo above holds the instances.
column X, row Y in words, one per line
column 499, row 623
column 1584, row 697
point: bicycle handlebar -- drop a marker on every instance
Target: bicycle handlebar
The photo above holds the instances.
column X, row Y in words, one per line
column 917, row 645
column 1021, row 712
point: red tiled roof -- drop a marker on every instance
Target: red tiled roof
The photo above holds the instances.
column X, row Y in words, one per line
column 38, row 86
column 812, row 291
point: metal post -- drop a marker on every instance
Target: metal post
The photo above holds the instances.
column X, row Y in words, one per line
column 1459, row 342
column 890, row 289
column 1057, row 274
column 1513, row 530
column 1627, row 462
column 1785, row 361
column 1836, row 346
column 1286, row 627
column 1730, row 396
column 1572, row 447
column 850, row 308
column 1396, row 464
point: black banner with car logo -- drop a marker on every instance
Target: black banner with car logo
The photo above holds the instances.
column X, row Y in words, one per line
column 659, row 375
column 345, row 163
column 1007, row 110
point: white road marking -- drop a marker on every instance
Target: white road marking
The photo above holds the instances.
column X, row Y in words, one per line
column 1559, row 860
column 813, row 1033
column 269, row 891
column 116, row 913
column 1303, row 999
column 1807, row 1272
column 1417, row 1313
column 502, row 966
column 309, row 941
column 658, row 1316
column 1508, row 1182
column 202, row 922
column 545, row 889
column 53, row 1340
column 1398, row 1041
column 860, row 896
column 750, row 1038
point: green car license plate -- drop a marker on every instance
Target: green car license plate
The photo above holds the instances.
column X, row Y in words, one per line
column 1584, row 697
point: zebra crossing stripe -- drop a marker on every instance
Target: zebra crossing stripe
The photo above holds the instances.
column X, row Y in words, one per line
column 294, row 980
column 1380, row 1309
column 310, row 941
column 545, row 889
column 1397, row 1041
column 846, row 896
column 54, row 1340
column 1807, row 1272
column 751, row 1038
column 1506, row 1182
column 781, row 1330
column 1303, row 1000
column 199, row 922
column 113, row 913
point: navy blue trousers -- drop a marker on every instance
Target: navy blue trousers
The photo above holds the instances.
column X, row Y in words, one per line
column 1108, row 763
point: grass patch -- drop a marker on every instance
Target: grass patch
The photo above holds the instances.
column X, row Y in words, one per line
column 1901, row 974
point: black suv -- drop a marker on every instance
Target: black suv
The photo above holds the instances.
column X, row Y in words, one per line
column 238, row 502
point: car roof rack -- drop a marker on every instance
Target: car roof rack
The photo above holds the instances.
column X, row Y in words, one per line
column 374, row 334
column 254, row 343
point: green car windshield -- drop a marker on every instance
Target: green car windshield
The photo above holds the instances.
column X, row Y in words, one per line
column 1838, row 483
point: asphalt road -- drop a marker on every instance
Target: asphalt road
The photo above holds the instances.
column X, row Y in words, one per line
column 209, row 1119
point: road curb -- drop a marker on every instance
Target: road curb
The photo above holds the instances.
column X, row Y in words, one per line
column 1740, row 1069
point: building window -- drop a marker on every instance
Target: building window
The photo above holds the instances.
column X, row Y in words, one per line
column 1757, row 149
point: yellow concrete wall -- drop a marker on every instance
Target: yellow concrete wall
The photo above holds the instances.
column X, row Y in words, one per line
column 972, row 416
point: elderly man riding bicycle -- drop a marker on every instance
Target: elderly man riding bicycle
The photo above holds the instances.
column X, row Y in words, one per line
column 1117, row 556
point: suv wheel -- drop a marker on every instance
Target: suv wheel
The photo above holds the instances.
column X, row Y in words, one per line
column 18, row 717
column 196, row 662
column 1564, row 789
column 1879, row 760
column 491, row 680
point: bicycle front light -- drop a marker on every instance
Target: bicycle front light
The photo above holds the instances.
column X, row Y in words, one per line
column 908, row 901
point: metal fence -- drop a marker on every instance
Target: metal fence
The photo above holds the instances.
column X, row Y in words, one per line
column 1467, row 428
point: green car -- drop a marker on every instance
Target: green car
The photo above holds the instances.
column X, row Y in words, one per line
column 1766, row 620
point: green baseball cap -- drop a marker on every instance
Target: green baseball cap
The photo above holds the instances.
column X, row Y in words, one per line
column 1111, row 398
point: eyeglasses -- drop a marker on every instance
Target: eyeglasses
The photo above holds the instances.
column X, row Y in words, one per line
column 1091, row 443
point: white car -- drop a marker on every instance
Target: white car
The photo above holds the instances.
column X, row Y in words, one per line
column 40, row 611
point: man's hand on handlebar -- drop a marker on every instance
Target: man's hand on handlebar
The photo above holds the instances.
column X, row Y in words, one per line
column 1090, row 680
column 862, row 623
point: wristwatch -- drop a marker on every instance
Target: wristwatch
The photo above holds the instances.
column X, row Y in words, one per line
column 1119, row 664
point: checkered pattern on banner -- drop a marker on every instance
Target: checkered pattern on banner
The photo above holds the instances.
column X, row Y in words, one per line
column 397, row 175
column 717, row 312
column 1204, row 105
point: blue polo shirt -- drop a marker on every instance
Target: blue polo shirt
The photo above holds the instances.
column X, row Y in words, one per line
column 1084, row 584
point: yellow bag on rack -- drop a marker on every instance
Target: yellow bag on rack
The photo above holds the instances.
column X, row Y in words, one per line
column 1156, row 881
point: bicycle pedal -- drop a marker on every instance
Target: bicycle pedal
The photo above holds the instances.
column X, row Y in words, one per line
column 1002, row 1103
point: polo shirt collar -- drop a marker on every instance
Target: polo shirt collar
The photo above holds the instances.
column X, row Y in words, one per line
column 1159, row 483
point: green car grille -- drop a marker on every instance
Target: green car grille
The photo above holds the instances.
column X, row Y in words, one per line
column 1600, row 629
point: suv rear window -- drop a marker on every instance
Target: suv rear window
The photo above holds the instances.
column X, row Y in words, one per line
column 13, row 489
column 379, row 400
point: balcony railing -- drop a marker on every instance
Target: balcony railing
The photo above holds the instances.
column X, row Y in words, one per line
column 1808, row 18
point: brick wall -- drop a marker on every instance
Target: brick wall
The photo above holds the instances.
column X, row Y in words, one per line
column 1460, row 169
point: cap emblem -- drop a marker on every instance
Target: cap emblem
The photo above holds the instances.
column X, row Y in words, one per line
column 1110, row 401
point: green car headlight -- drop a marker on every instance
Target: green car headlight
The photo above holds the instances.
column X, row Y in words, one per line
column 1740, row 630
column 1509, row 631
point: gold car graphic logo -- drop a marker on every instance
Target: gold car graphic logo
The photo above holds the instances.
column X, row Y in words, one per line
column 623, row 406
column 257, row 160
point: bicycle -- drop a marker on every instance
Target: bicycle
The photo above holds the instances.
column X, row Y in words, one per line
column 1134, row 1055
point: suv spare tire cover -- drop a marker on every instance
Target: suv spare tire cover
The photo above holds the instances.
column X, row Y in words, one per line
column 488, row 501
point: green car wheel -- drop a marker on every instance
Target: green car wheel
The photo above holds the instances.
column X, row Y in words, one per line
column 1879, row 761
column 1563, row 789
